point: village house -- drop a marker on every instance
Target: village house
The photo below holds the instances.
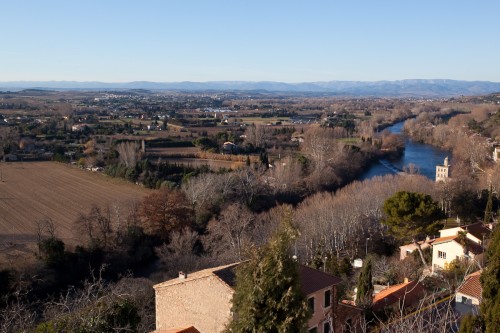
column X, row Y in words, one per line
column 229, row 148
column 203, row 300
column 468, row 295
column 400, row 296
column 464, row 242
column 461, row 243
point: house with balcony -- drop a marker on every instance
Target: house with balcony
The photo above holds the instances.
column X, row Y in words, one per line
column 202, row 300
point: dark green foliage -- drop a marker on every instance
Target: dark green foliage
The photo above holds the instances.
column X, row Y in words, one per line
column 154, row 175
column 339, row 266
column 365, row 285
column 205, row 143
column 52, row 252
column 410, row 215
column 470, row 324
column 475, row 126
column 264, row 158
column 467, row 205
column 267, row 295
column 488, row 212
column 490, row 281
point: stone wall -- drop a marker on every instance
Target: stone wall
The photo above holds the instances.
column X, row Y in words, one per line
column 204, row 303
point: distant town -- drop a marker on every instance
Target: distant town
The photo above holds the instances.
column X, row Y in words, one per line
column 214, row 210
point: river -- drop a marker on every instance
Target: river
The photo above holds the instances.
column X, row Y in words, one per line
column 424, row 156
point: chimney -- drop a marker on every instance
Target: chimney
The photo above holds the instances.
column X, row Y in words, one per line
column 182, row 275
column 406, row 280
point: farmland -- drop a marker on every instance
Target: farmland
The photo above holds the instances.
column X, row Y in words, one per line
column 33, row 191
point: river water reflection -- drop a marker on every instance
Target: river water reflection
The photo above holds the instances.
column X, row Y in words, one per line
column 424, row 156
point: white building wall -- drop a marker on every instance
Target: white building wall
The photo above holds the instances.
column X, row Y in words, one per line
column 449, row 232
column 204, row 303
column 452, row 249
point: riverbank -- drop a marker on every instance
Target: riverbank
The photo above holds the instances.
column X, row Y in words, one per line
column 420, row 156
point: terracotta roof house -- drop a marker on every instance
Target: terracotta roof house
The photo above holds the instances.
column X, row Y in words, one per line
column 449, row 246
column 468, row 295
column 203, row 299
column 403, row 295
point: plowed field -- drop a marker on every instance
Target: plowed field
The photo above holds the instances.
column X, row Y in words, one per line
column 31, row 191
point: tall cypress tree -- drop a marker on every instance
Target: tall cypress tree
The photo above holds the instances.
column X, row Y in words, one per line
column 267, row 296
column 490, row 281
column 365, row 286
column 488, row 211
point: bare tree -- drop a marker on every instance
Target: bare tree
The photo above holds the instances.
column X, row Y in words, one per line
column 96, row 226
column 257, row 135
column 19, row 315
column 164, row 211
column 178, row 254
column 9, row 138
column 284, row 176
column 230, row 233
column 129, row 152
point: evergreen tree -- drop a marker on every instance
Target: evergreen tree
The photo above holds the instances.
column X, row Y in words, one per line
column 267, row 296
column 488, row 215
column 490, row 281
column 470, row 324
column 365, row 286
column 412, row 215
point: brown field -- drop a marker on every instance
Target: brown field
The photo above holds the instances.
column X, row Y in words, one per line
column 212, row 164
column 31, row 191
column 178, row 151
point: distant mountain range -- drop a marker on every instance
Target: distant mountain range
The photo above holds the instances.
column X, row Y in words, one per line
column 402, row 88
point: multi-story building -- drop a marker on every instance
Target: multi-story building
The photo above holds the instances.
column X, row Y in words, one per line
column 443, row 171
column 203, row 300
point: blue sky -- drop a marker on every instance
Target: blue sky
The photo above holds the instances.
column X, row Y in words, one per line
column 215, row 40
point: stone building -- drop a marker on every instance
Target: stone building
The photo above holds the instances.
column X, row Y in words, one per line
column 443, row 171
column 203, row 300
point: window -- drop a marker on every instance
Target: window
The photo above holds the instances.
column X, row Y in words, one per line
column 310, row 303
column 313, row 330
column 442, row 254
column 464, row 300
column 328, row 298
column 326, row 327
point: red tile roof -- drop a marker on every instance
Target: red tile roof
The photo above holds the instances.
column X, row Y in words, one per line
column 409, row 293
column 471, row 286
column 444, row 239
column 313, row 280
